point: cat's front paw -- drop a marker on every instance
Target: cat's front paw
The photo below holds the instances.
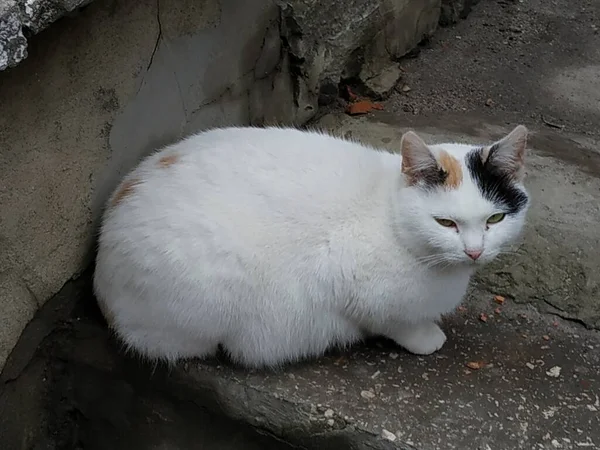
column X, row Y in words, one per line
column 422, row 339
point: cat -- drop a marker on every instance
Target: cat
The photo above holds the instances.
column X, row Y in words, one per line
column 276, row 244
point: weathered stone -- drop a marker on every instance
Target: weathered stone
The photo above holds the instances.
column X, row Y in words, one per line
column 382, row 85
column 454, row 10
column 332, row 40
column 35, row 15
column 13, row 45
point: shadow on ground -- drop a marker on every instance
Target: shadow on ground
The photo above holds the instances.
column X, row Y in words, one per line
column 66, row 386
column 535, row 382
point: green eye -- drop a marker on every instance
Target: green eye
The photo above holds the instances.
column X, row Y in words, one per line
column 495, row 218
column 446, row 223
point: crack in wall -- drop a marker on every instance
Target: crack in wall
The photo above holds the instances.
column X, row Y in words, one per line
column 158, row 37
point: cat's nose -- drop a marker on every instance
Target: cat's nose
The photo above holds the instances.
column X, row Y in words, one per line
column 473, row 254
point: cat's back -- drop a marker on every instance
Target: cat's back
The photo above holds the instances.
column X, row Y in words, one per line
column 246, row 172
column 240, row 188
column 253, row 156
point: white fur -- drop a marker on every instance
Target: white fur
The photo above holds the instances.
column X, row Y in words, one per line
column 277, row 244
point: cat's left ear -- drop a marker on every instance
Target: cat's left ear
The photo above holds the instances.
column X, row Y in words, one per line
column 508, row 154
column 419, row 166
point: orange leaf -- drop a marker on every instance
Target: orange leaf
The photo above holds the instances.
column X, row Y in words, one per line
column 362, row 107
column 499, row 299
column 475, row 365
column 483, row 317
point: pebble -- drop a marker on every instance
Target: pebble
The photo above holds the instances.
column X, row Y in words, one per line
column 388, row 435
column 329, row 413
column 367, row 394
column 554, row 372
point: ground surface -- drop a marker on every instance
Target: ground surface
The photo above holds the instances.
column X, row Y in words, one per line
column 523, row 60
column 538, row 381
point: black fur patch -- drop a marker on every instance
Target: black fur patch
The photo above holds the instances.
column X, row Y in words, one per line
column 495, row 184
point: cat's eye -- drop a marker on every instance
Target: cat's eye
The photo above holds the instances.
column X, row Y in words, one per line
column 446, row 222
column 495, row 218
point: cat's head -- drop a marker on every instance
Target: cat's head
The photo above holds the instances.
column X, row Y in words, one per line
column 464, row 204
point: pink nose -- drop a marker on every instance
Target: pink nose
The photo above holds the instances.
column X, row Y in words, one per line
column 473, row 254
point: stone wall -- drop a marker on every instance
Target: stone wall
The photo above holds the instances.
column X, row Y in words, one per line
column 103, row 88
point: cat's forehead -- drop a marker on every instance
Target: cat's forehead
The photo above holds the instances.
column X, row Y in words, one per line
column 464, row 202
column 452, row 159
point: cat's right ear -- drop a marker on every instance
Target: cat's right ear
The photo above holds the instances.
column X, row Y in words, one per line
column 418, row 163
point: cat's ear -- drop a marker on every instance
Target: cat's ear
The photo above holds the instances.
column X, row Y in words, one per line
column 508, row 154
column 418, row 163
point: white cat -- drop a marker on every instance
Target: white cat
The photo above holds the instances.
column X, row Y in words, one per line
column 277, row 244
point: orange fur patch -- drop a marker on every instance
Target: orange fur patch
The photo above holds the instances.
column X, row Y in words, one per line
column 452, row 167
column 168, row 160
column 125, row 190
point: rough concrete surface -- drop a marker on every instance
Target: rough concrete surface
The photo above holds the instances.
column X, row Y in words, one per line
column 533, row 60
column 13, row 45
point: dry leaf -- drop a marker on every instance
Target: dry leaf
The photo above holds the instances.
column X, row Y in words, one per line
column 546, row 337
column 475, row 365
column 340, row 360
column 498, row 310
column 499, row 299
column 483, row 317
column 362, row 107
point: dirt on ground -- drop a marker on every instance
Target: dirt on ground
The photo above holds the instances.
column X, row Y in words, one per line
column 534, row 61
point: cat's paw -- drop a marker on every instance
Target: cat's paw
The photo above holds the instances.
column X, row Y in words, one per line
column 421, row 339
